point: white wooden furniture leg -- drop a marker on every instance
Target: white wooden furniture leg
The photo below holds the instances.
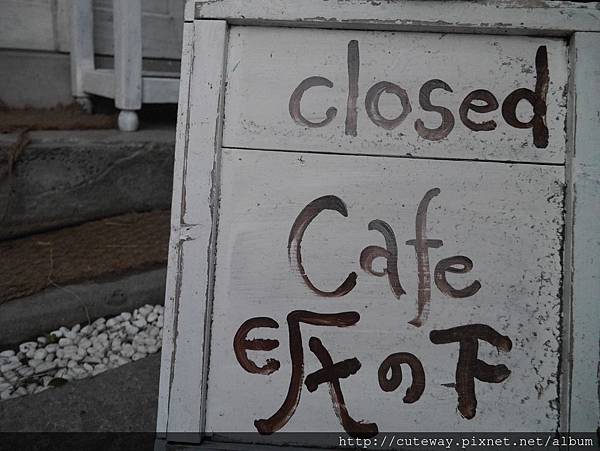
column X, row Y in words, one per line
column 128, row 61
column 82, row 49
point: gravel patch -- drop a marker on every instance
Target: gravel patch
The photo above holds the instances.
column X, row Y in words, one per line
column 80, row 352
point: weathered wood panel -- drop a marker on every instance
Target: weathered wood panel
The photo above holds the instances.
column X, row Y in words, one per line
column 27, row 24
column 397, row 94
column 585, row 287
column 191, row 258
column 488, row 212
column 538, row 17
column 162, row 23
column 173, row 283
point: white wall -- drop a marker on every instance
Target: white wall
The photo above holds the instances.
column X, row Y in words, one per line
column 44, row 25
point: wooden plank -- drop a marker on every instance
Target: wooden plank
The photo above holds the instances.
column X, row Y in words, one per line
column 488, row 212
column 585, row 236
column 198, row 184
column 128, row 54
column 161, row 33
column 160, row 89
column 530, row 18
column 100, row 82
column 269, row 68
column 27, row 25
column 63, row 25
column 171, row 299
column 82, row 50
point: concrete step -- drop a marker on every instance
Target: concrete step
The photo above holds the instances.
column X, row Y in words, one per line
column 77, row 274
column 123, row 399
column 63, row 178
column 26, row 318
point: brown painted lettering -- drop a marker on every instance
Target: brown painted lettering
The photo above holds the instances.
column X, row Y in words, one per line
column 536, row 98
column 280, row 418
column 297, row 233
column 353, row 68
column 469, row 366
column 241, row 345
column 332, row 373
column 459, row 265
column 370, row 253
column 296, row 97
column 393, row 362
column 434, row 134
column 372, row 104
column 491, row 103
column 422, row 245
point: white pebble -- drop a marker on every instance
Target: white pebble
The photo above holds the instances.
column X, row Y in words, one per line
column 57, row 333
column 61, row 363
column 11, row 376
column 70, row 349
column 152, row 316
column 9, row 366
column 100, row 368
column 25, row 371
column 81, row 351
column 131, row 330
column 45, row 366
column 92, row 359
column 116, row 344
column 127, row 350
column 64, row 342
column 21, row 391
column 40, row 354
column 86, row 330
column 141, row 322
column 34, row 363
column 27, row 346
column 153, row 331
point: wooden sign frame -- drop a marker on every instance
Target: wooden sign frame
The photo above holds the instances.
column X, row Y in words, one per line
column 185, row 353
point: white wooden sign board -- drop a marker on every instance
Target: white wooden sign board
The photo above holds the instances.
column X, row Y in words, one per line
column 355, row 200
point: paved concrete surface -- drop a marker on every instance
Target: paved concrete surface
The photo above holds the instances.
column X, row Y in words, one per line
column 26, row 318
column 124, row 400
column 68, row 177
